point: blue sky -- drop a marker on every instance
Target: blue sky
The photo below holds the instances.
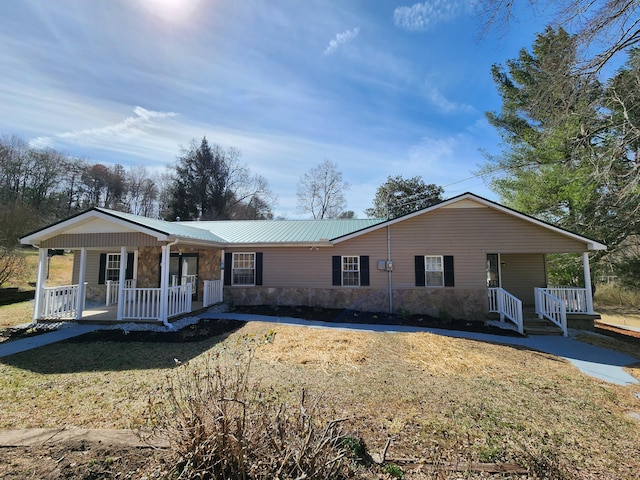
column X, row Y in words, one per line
column 379, row 87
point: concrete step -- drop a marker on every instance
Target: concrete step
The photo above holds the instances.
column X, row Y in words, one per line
column 532, row 324
column 537, row 326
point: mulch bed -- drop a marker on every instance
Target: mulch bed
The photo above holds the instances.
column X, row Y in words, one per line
column 372, row 318
column 623, row 334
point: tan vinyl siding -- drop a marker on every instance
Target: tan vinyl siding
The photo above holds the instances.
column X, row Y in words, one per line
column 93, row 266
column 467, row 234
column 100, row 240
column 521, row 274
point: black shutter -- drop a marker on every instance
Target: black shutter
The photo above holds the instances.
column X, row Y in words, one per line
column 336, row 270
column 258, row 268
column 228, row 266
column 364, row 271
column 129, row 272
column 448, row 271
column 420, row 279
column 103, row 268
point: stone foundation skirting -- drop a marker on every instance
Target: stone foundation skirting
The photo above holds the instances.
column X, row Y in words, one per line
column 453, row 303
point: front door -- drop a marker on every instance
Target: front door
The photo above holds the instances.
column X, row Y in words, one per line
column 183, row 269
column 493, row 270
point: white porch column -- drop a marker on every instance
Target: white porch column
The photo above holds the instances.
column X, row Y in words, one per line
column 41, row 279
column 222, row 266
column 587, row 282
column 81, row 282
column 164, row 283
column 121, row 280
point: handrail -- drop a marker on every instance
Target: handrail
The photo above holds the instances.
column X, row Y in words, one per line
column 212, row 293
column 575, row 299
column 508, row 306
column 552, row 308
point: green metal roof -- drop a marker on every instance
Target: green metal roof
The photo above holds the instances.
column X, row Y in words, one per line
column 251, row 231
column 174, row 229
column 282, row 231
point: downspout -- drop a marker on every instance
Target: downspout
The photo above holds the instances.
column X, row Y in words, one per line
column 164, row 287
column 389, row 269
column 388, row 265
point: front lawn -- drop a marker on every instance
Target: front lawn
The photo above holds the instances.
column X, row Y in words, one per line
column 432, row 398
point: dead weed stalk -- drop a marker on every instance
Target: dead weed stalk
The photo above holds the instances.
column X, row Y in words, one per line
column 222, row 426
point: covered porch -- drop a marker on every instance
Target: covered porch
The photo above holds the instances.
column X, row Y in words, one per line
column 562, row 306
column 124, row 301
column 127, row 268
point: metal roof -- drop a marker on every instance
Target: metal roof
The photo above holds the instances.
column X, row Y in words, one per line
column 282, row 231
column 174, row 229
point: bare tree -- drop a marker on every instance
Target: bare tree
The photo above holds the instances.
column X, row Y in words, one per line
column 604, row 27
column 321, row 191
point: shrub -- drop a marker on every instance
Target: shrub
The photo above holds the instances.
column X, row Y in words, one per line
column 11, row 264
column 222, row 426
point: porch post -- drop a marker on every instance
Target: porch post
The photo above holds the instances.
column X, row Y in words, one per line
column 41, row 278
column 587, row 282
column 81, row 282
column 121, row 279
column 164, row 284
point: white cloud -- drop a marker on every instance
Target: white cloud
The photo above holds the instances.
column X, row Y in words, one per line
column 138, row 125
column 341, row 38
column 442, row 103
column 422, row 16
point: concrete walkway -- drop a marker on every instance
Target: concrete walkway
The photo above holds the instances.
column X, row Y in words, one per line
column 10, row 347
column 597, row 362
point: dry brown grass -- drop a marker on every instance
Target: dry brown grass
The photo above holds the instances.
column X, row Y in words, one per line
column 420, row 391
column 620, row 316
column 15, row 314
column 60, row 268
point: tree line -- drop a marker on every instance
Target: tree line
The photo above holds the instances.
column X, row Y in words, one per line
column 571, row 136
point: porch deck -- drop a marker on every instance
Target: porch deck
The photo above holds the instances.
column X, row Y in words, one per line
column 109, row 315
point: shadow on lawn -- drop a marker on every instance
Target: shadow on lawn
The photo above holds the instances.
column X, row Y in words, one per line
column 116, row 350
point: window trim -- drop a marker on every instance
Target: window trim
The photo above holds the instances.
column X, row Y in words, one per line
column 233, row 269
column 343, row 271
column 112, row 258
column 427, row 271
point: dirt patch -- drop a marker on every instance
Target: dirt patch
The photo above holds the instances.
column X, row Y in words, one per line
column 372, row 318
column 80, row 460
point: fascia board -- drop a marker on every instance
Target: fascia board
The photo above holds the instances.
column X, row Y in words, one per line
column 36, row 237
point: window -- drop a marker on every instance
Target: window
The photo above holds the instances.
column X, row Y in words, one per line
column 351, row 271
column 112, row 269
column 434, row 273
column 244, row 269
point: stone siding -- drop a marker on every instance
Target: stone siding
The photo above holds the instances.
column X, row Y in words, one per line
column 149, row 266
column 463, row 304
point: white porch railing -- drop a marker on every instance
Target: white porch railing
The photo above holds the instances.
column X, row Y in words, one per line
column 507, row 305
column 179, row 299
column 575, row 299
column 552, row 308
column 173, row 281
column 141, row 303
column 144, row 303
column 113, row 287
column 60, row 302
column 212, row 292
